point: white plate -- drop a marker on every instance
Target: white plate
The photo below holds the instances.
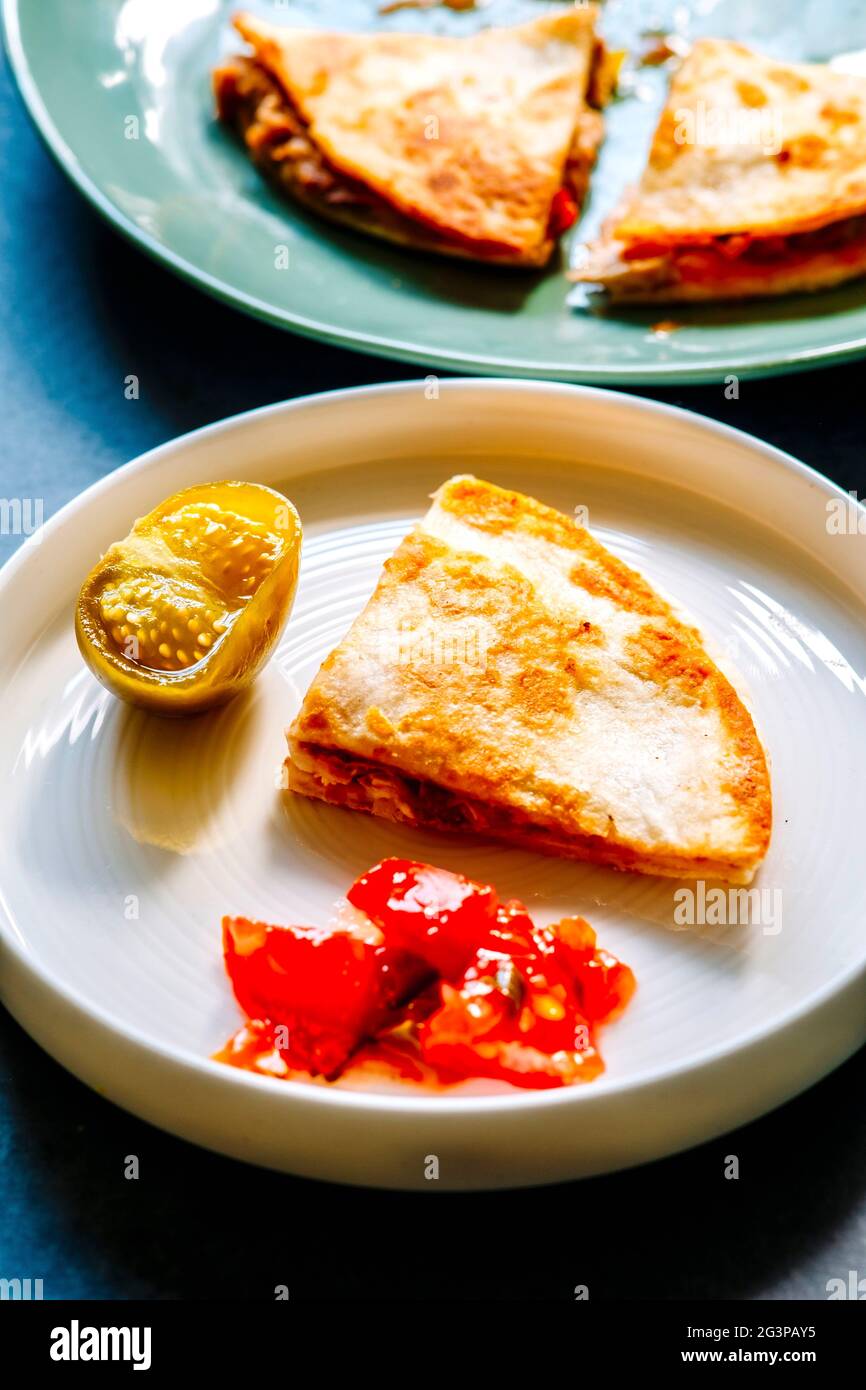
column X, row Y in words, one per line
column 123, row 838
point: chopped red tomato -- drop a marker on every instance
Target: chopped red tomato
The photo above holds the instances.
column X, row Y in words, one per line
column 601, row 982
column 436, row 915
column 563, row 213
column 328, row 990
column 605, row 986
column 512, row 1024
column 446, row 974
column 574, row 939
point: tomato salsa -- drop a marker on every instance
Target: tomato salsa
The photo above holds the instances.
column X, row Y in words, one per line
column 431, row 974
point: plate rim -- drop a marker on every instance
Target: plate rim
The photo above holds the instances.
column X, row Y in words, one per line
column 662, row 374
column 445, row 1106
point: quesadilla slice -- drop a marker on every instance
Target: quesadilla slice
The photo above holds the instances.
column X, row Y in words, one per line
column 511, row 677
column 755, row 185
column 478, row 146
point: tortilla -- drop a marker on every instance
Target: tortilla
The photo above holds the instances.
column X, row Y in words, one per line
column 755, row 185
column 510, row 677
column 455, row 144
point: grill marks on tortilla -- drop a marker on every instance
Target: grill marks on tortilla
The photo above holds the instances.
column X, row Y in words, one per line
column 530, row 659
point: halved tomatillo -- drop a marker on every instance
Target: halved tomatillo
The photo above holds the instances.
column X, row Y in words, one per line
column 181, row 614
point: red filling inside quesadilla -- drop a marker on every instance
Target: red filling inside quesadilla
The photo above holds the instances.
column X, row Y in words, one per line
column 359, row 784
column 718, row 255
column 739, row 263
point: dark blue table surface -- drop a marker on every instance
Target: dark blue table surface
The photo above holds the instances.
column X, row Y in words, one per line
column 80, row 311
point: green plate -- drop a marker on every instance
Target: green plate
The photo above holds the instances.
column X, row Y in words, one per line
column 96, row 75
